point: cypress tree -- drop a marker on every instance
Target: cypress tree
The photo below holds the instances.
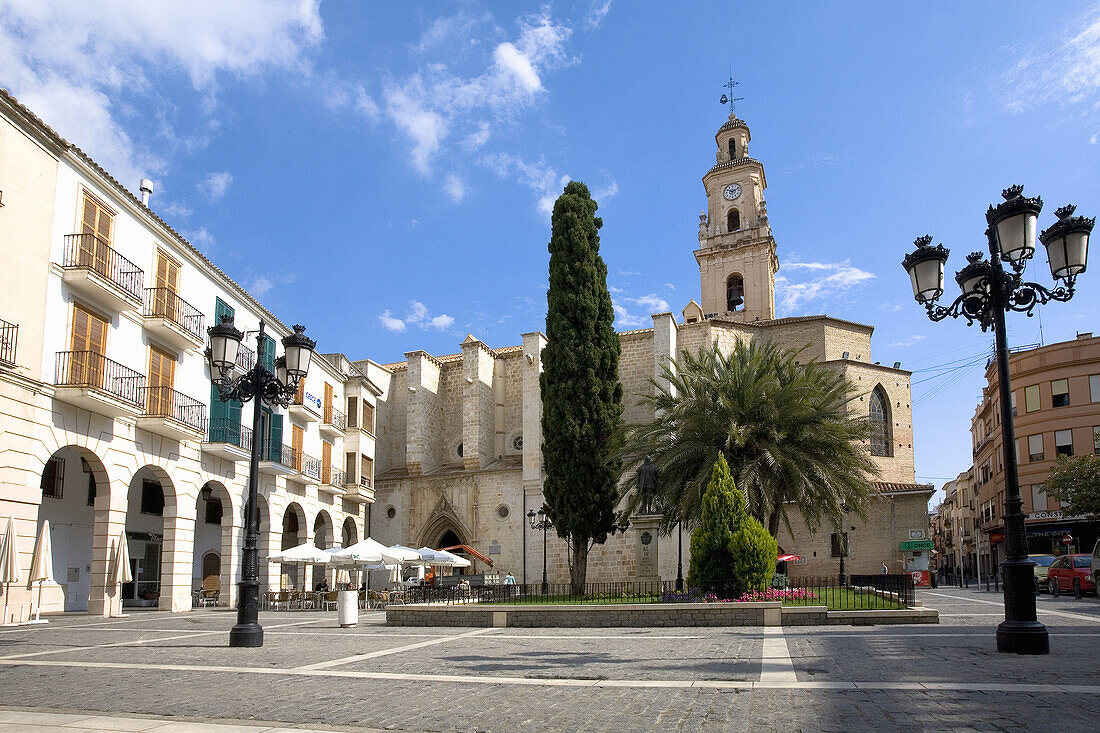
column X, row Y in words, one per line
column 581, row 393
column 729, row 549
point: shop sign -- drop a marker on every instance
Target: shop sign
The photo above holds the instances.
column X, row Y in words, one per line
column 995, row 537
column 1047, row 532
column 312, row 399
column 916, row 545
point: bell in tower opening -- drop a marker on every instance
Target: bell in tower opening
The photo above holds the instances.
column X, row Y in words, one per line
column 735, row 292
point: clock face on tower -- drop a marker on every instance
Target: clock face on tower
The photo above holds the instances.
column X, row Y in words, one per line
column 731, row 191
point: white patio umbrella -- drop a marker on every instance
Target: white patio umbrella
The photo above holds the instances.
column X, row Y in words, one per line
column 120, row 566
column 443, row 558
column 42, row 566
column 404, row 556
column 10, row 572
column 367, row 554
column 304, row 553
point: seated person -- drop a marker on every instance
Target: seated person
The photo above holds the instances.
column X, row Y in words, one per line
column 322, row 586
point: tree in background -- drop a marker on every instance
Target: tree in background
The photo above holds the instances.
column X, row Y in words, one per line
column 784, row 428
column 729, row 549
column 1075, row 482
column 581, row 393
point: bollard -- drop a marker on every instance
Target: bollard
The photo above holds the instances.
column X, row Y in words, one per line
column 1056, row 589
column 1077, row 591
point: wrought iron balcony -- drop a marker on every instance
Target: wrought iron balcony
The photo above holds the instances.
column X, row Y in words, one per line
column 91, row 380
column 333, row 422
column 246, row 358
column 9, row 337
column 333, row 476
column 172, row 413
column 99, row 272
column 228, row 439
column 309, row 466
column 173, row 318
column 279, row 460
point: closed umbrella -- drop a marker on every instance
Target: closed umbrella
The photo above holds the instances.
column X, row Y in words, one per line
column 10, row 572
column 42, row 566
column 120, row 568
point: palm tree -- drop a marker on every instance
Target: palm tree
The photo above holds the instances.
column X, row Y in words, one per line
column 785, row 429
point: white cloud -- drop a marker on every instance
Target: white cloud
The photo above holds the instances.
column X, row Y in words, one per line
column 539, row 177
column 911, row 341
column 216, row 184
column 177, row 209
column 670, row 286
column 823, row 281
column 1063, row 70
column 418, row 315
column 435, row 102
column 597, row 12
column 390, row 323
column 454, row 187
column 607, row 192
column 261, row 285
column 1093, row 139
column 201, row 239
column 650, row 304
column 79, row 65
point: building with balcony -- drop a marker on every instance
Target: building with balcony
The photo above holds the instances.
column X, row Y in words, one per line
column 111, row 425
column 1056, row 411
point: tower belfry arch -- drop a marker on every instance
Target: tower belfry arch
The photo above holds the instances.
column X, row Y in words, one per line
column 736, row 255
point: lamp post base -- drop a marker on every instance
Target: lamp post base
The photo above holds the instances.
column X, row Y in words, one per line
column 246, row 635
column 1022, row 637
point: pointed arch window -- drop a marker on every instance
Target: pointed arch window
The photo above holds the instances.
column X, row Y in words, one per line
column 735, row 292
column 733, row 220
column 881, row 439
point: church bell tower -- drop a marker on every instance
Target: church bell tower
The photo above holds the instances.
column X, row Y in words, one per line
column 736, row 255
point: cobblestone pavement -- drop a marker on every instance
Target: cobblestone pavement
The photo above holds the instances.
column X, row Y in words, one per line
column 312, row 673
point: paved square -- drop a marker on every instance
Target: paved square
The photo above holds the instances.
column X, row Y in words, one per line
column 312, row 673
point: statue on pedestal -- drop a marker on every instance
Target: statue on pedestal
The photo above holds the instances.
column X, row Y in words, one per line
column 647, row 486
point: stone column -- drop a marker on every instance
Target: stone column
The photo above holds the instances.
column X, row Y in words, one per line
column 478, row 408
column 232, row 541
column 177, row 559
column 110, row 523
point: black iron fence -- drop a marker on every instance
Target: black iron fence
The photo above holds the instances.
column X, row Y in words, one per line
column 226, row 430
column 168, row 403
column 92, row 252
column 9, row 336
column 857, row 593
column 93, row 370
column 165, row 303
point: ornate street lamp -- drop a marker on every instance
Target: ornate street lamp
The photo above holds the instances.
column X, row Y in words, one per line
column 988, row 292
column 544, row 524
column 266, row 388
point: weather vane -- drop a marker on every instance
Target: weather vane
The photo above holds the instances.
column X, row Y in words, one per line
column 729, row 98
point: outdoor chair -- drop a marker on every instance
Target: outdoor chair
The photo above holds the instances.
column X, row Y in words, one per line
column 282, row 599
column 329, row 599
column 209, row 597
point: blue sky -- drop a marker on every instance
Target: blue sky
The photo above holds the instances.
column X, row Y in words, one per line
column 383, row 172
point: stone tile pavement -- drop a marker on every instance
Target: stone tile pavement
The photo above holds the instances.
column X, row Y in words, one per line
column 311, row 673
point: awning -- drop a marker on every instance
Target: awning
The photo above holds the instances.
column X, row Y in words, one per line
column 788, row 558
column 471, row 552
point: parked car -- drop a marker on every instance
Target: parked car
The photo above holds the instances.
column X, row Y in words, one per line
column 1042, row 564
column 1070, row 572
column 1096, row 566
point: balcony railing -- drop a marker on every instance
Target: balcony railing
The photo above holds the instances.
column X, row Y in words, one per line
column 332, row 475
column 164, row 303
column 94, row 253
column 9, row 336
column 334, row 417
column 246, row 358
column 279, row 453
column 310, row 466
column 95, row 371
column 225, row 430
column 172, row 405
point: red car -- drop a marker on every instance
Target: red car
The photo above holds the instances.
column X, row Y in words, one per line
column 1070, row 572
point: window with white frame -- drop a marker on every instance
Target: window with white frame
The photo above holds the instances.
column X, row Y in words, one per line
column 1031, row 398
column 1035, row 447
column 1038, row 498
column 1059, row 393
column 1063, row 442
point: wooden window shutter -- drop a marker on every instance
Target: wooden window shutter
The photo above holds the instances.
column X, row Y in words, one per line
column 368, row 471
column 353, row 405
column 297, row 440
column 326, row 462
column 349, row 466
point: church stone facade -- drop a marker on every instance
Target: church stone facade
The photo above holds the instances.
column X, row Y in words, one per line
column 459, row 436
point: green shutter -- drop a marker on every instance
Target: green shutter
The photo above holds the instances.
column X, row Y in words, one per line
column 269, row 353
column 218, row 413
column 275, row 439
column 221, row 308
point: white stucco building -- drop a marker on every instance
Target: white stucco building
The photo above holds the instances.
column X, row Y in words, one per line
column 108, row 420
